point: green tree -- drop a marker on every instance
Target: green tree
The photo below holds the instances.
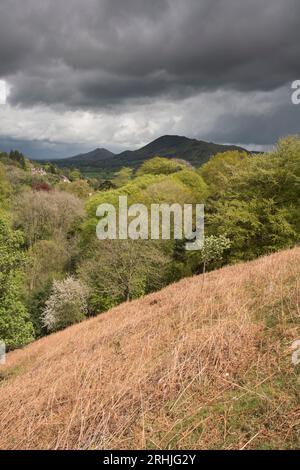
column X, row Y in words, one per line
column 19, row 158
column 36, row 304
column 221, row 168
column 180, row 266
column 255, row 199
column 16, row 328
column 212, row 251
column 74, row 175
column 79, row 188
column 122, row 177
column 5, row 188
column 46, row 259
column 160, row 166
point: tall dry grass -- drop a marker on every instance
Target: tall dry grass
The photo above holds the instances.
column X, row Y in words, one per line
column 205, row 363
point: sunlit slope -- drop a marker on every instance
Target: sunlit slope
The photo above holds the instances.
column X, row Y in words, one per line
column 205, row 363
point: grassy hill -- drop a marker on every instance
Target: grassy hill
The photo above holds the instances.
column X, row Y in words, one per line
column 204, row 363
column 171, row 146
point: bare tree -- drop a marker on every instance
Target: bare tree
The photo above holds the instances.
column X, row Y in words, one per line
column 124, row 269
column 42, row 215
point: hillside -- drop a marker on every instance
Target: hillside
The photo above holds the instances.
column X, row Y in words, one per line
column 204, row 363
column 171, row 146
column 87, row 159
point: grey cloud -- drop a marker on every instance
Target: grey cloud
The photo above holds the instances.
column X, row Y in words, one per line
column 113, row 57
column 100, row 52
column 261, row 128
column 41, row 149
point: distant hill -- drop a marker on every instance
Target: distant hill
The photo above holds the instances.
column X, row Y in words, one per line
column 203, row 364
column 194, row 151
column 95, row 157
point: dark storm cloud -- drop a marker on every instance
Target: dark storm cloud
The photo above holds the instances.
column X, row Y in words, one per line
column 101, row 52
column 121, row 57
column 260, row 129
column 41, row 149
column 264, row 126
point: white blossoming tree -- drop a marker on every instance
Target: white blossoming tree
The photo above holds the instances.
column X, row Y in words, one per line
column 212, row 251
column 66, row 305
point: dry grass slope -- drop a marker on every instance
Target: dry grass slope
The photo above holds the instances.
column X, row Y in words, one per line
column 205, row 363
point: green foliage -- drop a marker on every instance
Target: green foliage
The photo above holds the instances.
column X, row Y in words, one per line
column 160, row 166
column 79, row 188
column 134, row 190
column 212, row 250
column 185, row 186
column 255, row 228
column 180, row 266
column 36, row 304
column 169, row 190
column 255, row 200
column 51, row 168
column 47, row 259
column 15, row 326
column 221, row 168
column 252, row 207
column 18, row 158
column 122, row 177
column 74, row 175
column 5, row 188
column 196, row 184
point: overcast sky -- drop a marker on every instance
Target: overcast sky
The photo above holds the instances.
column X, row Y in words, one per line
column 119, row 73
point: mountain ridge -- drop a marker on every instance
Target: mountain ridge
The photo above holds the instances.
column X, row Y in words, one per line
column 194, row 151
